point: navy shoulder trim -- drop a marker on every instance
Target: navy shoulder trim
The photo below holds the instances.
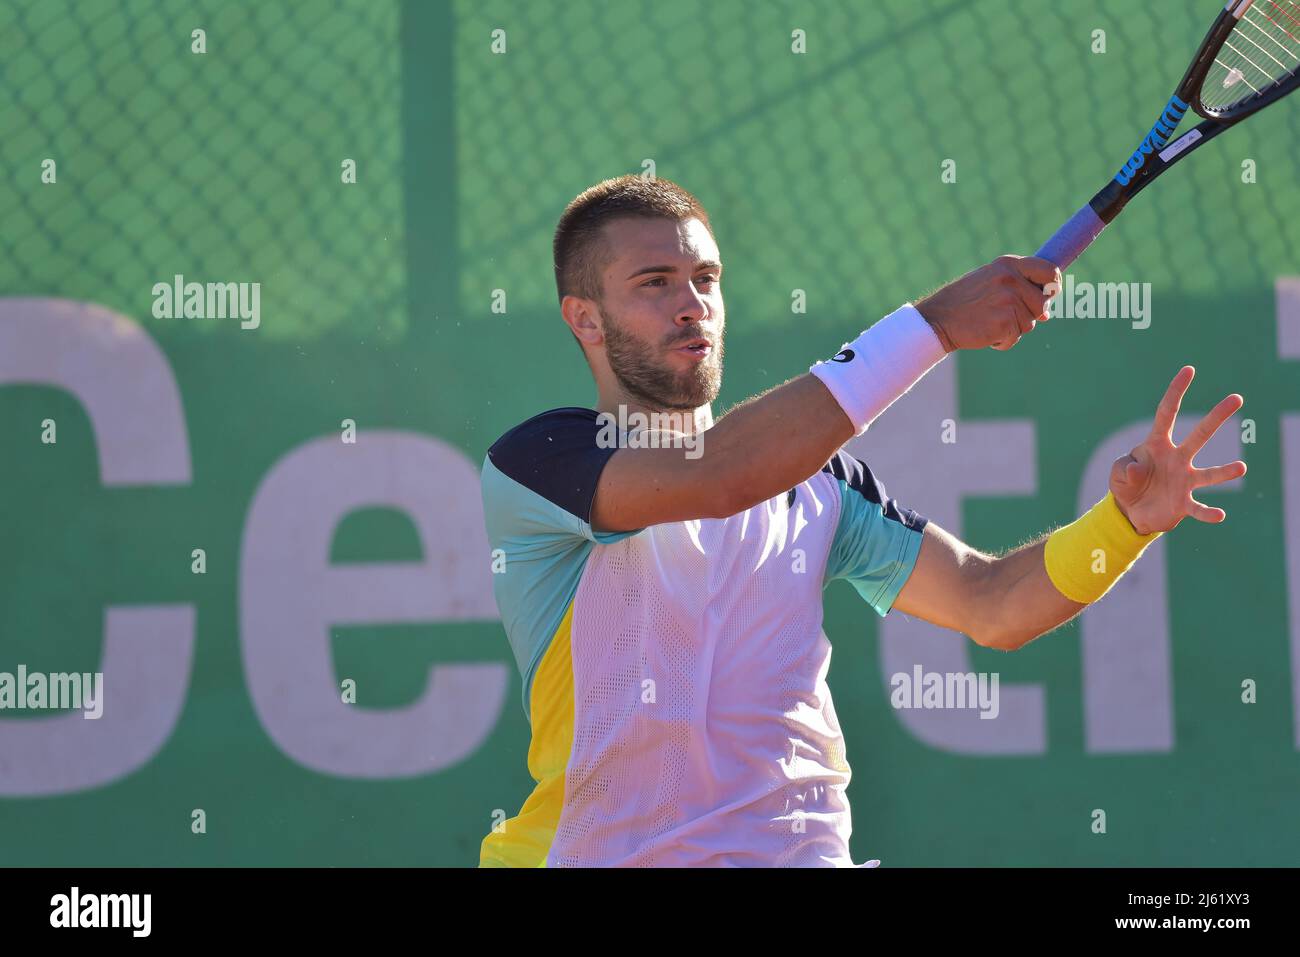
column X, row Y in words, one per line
column 555, row 455
column 859, row 478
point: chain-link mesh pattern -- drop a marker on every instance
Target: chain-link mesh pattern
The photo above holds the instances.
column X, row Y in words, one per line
column 220, row 166
column 824, row 169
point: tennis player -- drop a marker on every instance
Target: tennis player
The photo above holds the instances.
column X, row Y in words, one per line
column 661, row 574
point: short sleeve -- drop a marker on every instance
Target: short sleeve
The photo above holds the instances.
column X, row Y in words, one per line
column 539, row 482
column 876, row 539
column 539, row 479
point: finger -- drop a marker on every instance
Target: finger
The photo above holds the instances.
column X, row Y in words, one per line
column 1119, row 468
column 1203, row 513
column 1038, row 271
column 1034, row 300
column 1016, row 321
column 1050, row 292
column 1167, row 410
column 1218, row 474
column 1020, row 318
column 1135, row 475
column 1024, row 316
column 1197, row 438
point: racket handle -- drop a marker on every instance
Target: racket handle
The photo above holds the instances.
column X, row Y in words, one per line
column 1072, row 238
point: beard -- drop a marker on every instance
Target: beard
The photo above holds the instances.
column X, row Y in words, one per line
column 638, row 369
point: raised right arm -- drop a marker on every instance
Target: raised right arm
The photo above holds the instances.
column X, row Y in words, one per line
column 762, row 447
column 772, row 442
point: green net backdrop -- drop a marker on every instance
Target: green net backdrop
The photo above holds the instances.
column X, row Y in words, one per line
column 821, row 171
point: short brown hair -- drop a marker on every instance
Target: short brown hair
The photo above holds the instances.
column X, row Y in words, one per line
column 579, row 254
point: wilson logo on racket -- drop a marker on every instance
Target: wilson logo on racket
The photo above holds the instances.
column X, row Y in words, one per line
column 1249, row 59
column 1155, row 140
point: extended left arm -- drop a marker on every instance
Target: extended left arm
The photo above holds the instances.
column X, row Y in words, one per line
column 999, row 602
column 1006, row 602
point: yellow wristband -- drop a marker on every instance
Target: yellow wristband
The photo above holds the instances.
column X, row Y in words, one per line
column 1087, row 556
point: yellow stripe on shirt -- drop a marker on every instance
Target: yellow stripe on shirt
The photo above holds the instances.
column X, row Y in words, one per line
column 525, row 839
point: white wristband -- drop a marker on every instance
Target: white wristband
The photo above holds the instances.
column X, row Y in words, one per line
column 879, row 366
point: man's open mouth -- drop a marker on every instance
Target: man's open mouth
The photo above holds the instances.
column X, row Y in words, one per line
column 696, row 347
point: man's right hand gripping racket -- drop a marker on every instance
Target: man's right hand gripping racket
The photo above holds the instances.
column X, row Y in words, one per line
column 1249, row 59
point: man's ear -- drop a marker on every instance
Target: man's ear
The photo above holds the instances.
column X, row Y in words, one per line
column 583, row 319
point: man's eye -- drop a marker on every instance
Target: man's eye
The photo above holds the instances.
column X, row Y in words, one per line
column 659, row 280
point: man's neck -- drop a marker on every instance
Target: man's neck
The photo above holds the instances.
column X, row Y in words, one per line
column 635, row 416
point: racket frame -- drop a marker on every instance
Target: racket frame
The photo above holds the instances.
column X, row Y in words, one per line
column 1160, row 149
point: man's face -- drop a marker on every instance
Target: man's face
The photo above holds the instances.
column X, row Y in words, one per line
column 663, row 313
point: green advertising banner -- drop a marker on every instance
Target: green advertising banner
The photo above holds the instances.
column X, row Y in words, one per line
column 276, row 275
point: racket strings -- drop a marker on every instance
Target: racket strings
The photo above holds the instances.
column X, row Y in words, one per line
column 1262, row 52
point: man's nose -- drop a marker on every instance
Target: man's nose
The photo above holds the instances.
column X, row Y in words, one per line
column 693, row 308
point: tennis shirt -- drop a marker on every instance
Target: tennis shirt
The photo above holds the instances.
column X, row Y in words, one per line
column 674, row 677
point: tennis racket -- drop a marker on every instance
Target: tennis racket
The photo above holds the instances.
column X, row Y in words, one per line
column 1248, row 60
